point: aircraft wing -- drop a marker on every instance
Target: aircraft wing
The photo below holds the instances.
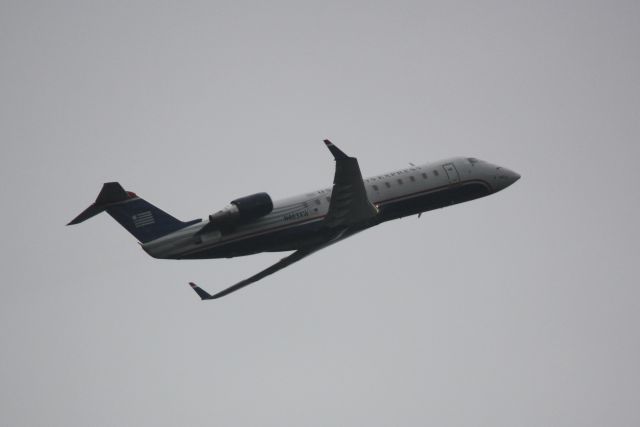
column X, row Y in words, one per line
column 349, row 210
column 349, row 202
column 284, row 262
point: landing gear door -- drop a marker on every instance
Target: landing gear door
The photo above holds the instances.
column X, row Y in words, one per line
column 452, row 173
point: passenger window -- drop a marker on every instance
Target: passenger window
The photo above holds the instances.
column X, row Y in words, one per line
column 435, row 172
column 375, row 187
column 412, row 178
column 400, row 182
column 317, row 201
column 328, row 199
column 424, row 175
column 387, row 184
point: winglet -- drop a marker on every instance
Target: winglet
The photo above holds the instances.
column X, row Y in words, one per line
column 338, row 154
column 201, row 292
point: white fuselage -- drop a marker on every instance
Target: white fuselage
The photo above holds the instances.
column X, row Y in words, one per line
column 295, row 221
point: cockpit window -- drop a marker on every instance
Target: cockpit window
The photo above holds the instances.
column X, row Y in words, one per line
column 472, row 160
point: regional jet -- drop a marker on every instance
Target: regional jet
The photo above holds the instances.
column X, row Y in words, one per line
column 305, row 223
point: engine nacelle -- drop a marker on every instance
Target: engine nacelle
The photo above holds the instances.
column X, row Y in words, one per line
column 242, row 210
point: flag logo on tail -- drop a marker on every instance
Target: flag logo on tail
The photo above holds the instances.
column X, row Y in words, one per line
column 142, row 219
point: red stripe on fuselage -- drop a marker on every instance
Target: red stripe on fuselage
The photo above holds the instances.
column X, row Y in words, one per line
column 408, row 196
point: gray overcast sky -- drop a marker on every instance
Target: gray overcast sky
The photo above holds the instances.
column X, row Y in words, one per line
column 522, row 308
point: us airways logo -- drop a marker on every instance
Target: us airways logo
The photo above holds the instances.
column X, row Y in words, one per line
column 143, row 218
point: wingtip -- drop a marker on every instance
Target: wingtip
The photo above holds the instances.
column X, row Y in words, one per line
column 338, row 154
column 204, row 295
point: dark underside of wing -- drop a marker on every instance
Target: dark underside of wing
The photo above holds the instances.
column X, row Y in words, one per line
column 349, row 210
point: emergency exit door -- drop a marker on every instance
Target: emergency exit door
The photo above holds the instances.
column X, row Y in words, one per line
column 452, row 173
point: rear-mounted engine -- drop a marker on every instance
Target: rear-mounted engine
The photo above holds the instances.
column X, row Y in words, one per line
column 242, row 210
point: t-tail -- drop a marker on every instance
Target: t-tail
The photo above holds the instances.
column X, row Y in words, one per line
column 145, row 221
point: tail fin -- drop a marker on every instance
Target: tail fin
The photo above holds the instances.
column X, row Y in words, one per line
column 145, row 221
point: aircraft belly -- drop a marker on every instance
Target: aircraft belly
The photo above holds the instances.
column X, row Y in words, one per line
column 287, row 239
column 435, row 199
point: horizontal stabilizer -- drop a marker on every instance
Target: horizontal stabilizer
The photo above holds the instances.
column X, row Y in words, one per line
column 91, row 211
column 139, row 217
column 112, row 192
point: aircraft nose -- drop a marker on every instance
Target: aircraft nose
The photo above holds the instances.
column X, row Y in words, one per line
column 504, row 177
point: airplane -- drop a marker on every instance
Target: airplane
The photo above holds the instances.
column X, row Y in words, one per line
column 305, row 223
